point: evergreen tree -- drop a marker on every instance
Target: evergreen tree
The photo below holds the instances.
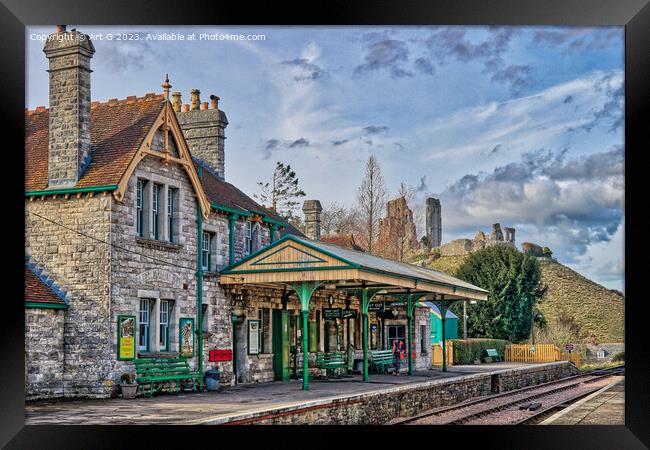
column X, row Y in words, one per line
column 282, row 191
column 513, row 281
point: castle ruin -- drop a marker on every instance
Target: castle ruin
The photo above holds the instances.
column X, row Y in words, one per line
column 480, row 241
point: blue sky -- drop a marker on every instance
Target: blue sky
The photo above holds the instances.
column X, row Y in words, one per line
column 517, row 125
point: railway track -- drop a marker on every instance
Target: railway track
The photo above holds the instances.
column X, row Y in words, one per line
column 515, row 407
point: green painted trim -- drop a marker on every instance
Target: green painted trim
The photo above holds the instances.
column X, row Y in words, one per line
column 297, row 269
column 274, row 222
column 199, row 290
column 260, row 263
column 108, row 187
column 39, row 305
column 222, row 208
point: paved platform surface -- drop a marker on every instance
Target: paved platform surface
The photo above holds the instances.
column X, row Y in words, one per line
column 191, row 407
column 604, row 407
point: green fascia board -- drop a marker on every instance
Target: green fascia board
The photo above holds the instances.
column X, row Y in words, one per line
column 108, row 187
column 222, row 208
column 296, row 269
column 46, row 305
column 274, row 222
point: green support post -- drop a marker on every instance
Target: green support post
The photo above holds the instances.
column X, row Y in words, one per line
column 199, row 290
column 305, row 289
column 410, row 306
column 443, row 316
column 364, row 323
column 232, row 218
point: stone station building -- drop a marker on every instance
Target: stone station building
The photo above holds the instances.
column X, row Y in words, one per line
column 128, row 215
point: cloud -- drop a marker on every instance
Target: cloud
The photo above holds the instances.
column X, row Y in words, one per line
column 125, row 56
column 339, row 142
column 452, row 44
column 568, row 99
column 495, row 150
column 572, row 40
column 424, row 66
column 612, row 111
column 575, row 202
column 302, row 142
column 307, row 70
column 422, row 186
column 374, row 130
column 399, row 146
column 386, row 54
column 272, row 145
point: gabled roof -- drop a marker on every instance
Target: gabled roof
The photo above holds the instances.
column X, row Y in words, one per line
column 224, row 194
column 117, row 130
column 294, row 258
column 41, row 290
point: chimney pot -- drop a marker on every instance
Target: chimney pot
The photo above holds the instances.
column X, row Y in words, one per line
column 204, row 105
column 214, row 102
column 195, row 99
column 186, row 107
column 60, row 28
column 176, row 101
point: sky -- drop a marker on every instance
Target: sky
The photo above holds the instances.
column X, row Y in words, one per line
column 523, row 126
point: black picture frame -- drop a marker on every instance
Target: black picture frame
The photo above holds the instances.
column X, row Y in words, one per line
column 633, row 14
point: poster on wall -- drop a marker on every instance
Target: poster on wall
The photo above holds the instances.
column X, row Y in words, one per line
column 186, row 337
column 253, row 337
column 125, row 337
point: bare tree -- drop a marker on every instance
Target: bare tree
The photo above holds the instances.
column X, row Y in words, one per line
column 371, row 200
column 337, row 218
column 282, row 191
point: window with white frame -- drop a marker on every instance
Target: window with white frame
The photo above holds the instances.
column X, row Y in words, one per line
column 249, row 238
column 206, row 253
column 143, row 324
column 155, row 210
column 172, row 196
column 163, row 323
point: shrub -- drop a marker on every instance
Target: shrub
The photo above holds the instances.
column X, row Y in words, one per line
column 466, row 351
column 619, row 357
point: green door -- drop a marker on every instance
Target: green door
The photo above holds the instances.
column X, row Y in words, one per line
column 281, row 344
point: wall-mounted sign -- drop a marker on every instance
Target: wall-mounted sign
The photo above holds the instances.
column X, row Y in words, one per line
column 220, row 355
column 376, row 306
column 186, row 337
column 569, row 347
column 332, row 313
column 395, row 303
column 125, row 337
column 253, row 337
column 349, row 314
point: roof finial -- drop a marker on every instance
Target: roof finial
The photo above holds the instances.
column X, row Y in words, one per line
column 166, row 86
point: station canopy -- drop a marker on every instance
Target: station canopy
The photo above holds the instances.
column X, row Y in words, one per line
column 295, row 259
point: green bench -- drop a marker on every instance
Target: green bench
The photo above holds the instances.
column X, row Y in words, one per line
column 331, row 361
column 381, row 359
column 152, row 374
column 493, row 354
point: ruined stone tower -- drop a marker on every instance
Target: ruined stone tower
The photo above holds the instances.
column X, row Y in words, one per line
column 69, row 54
column 204, row 129
column 434, row 222
column 312, row 210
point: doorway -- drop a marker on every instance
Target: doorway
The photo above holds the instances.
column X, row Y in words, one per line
column 281, row 344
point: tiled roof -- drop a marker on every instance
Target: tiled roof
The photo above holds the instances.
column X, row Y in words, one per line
column 117, row 129
column 40, row 289
column 228, row 195
column 346, row 241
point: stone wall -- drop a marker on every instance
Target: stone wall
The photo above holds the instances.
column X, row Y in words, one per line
column 80, row 266
column 397, row 235
column 465, row 246
column 43, row 353
column 383, row 405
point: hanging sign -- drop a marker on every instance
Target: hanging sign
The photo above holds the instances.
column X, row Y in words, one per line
column 376, row 306
column 253, row 337
column 220, row 355
column 349, row 314
column 332, row 313
column 186, row 337
column 125, row 337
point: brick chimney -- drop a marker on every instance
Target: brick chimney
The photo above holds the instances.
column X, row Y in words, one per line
column 69, row 54
column 204, row 130
column 312, row 210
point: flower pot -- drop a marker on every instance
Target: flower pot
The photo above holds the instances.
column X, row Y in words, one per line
column 129, row 390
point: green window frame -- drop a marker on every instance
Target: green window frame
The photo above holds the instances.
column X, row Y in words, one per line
column 206, row 245
column 163, row 336
column 139, row 218
column 171, row 205
column 155, row 206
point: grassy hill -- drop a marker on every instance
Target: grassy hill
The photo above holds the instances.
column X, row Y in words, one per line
column 593, row 308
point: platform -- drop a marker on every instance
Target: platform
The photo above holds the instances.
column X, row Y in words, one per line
column 604, row 407
column 243, row 402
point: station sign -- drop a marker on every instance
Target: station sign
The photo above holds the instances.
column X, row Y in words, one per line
column 349, row 314
column 376, row 306
column 332, row 313
column 392, row 303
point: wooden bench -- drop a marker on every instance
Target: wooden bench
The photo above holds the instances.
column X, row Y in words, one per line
column 331, row 361
column 493, row 354
column 381, row 359
column 152, row 374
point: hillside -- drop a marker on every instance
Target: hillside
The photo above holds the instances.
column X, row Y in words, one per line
column 594, row 308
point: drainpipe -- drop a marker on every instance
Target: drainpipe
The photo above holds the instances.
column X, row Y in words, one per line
column 199, row 287
column 231, row 225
